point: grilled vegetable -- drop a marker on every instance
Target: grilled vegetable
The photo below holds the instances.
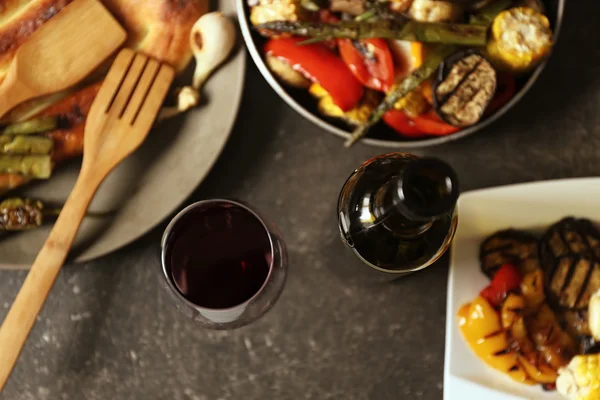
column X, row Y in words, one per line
column 352, row 7
column 402, row 88
column 356, row 116
column 320, row 65
column 424, row 124
column 402, row 123
column 370, row 60
column 552, row 342
column 400, row 6
column 481, row 327
column 570, row 236
column 513, row 321
column 580, row 380
column 25, row 145
column 521, row 38
column 459, row 34
column 509, row 247
column 35, row 166
column 286, row 72
column 465, row 85
column 413, row 104
column 532, row 289
column 36, row 125
column 435, row 11
column 573, row 280
column 20, row 214
column 506, row 279
column 262, row 11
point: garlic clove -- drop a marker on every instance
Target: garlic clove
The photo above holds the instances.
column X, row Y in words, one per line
column 187, row 97
column 211, row 39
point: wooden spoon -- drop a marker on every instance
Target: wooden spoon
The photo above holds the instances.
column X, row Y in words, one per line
column 61, row 52
column 118, row 122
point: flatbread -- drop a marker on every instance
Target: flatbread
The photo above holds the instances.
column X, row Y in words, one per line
column 158, row 28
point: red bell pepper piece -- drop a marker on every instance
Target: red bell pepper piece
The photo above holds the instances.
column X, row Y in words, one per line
column 506, row 86
column 506, row 279
column 426, row 124
column 370, row 60
column 402, row 123
column 431, row 124
column 319, row 64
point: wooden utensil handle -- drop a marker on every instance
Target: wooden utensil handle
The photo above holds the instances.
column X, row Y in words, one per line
column 12, row 93
column 30, row 300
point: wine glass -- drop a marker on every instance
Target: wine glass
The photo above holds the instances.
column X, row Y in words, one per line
column 222, row 263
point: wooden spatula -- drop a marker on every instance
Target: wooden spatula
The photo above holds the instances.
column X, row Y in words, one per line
column 61, row 52
column 118, row 122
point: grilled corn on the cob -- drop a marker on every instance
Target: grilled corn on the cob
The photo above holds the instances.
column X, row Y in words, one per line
column 358, row 115
column 276, row 10
column 521, row 38
column 580, row 380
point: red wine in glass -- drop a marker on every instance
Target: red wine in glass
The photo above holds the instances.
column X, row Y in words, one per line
column 220, row 259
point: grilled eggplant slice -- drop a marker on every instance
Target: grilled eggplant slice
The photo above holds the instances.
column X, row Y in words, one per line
column 509, row 247
column 465, row 85
column 572, row 280
column 570, row 236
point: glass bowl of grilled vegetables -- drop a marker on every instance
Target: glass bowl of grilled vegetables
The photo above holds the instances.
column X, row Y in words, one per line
column 400, row 73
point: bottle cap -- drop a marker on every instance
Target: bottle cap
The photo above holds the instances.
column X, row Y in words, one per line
column 428, row 188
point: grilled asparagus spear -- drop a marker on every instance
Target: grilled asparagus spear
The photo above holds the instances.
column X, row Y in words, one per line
column 35, row 125
column 458, row 34
column 33, row 166
column 402, row 88
column 25, row 145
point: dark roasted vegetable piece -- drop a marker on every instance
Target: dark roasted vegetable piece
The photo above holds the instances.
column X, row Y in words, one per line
column 509, row 247
column 459, row 34
column 572, row 281
column 570, row 236
column 25, row 145
column 465, row 84
column 20, row 214
column 401, row 89
column 36, row 125
column 36, row 166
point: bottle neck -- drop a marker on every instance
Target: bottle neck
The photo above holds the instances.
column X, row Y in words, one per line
column 425, row 190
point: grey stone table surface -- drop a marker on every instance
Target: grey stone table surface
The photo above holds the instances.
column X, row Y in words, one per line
column 107, row 332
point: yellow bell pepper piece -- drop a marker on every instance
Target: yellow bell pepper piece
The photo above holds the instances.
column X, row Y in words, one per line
column 481, row 327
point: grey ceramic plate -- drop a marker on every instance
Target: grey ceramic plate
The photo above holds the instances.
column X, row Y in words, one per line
column 381, row 135
column 151, row 184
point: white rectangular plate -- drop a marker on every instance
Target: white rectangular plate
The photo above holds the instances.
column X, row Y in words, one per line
column 531, row 206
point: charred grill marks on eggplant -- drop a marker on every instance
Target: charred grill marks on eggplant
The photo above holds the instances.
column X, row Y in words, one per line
column 509, row 247
column 569, row 251
column 465, row 86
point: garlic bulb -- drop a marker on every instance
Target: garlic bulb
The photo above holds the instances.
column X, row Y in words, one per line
column 211, row 39
column 187, row 97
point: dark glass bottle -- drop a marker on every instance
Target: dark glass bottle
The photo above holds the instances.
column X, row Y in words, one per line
column 397, row 211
